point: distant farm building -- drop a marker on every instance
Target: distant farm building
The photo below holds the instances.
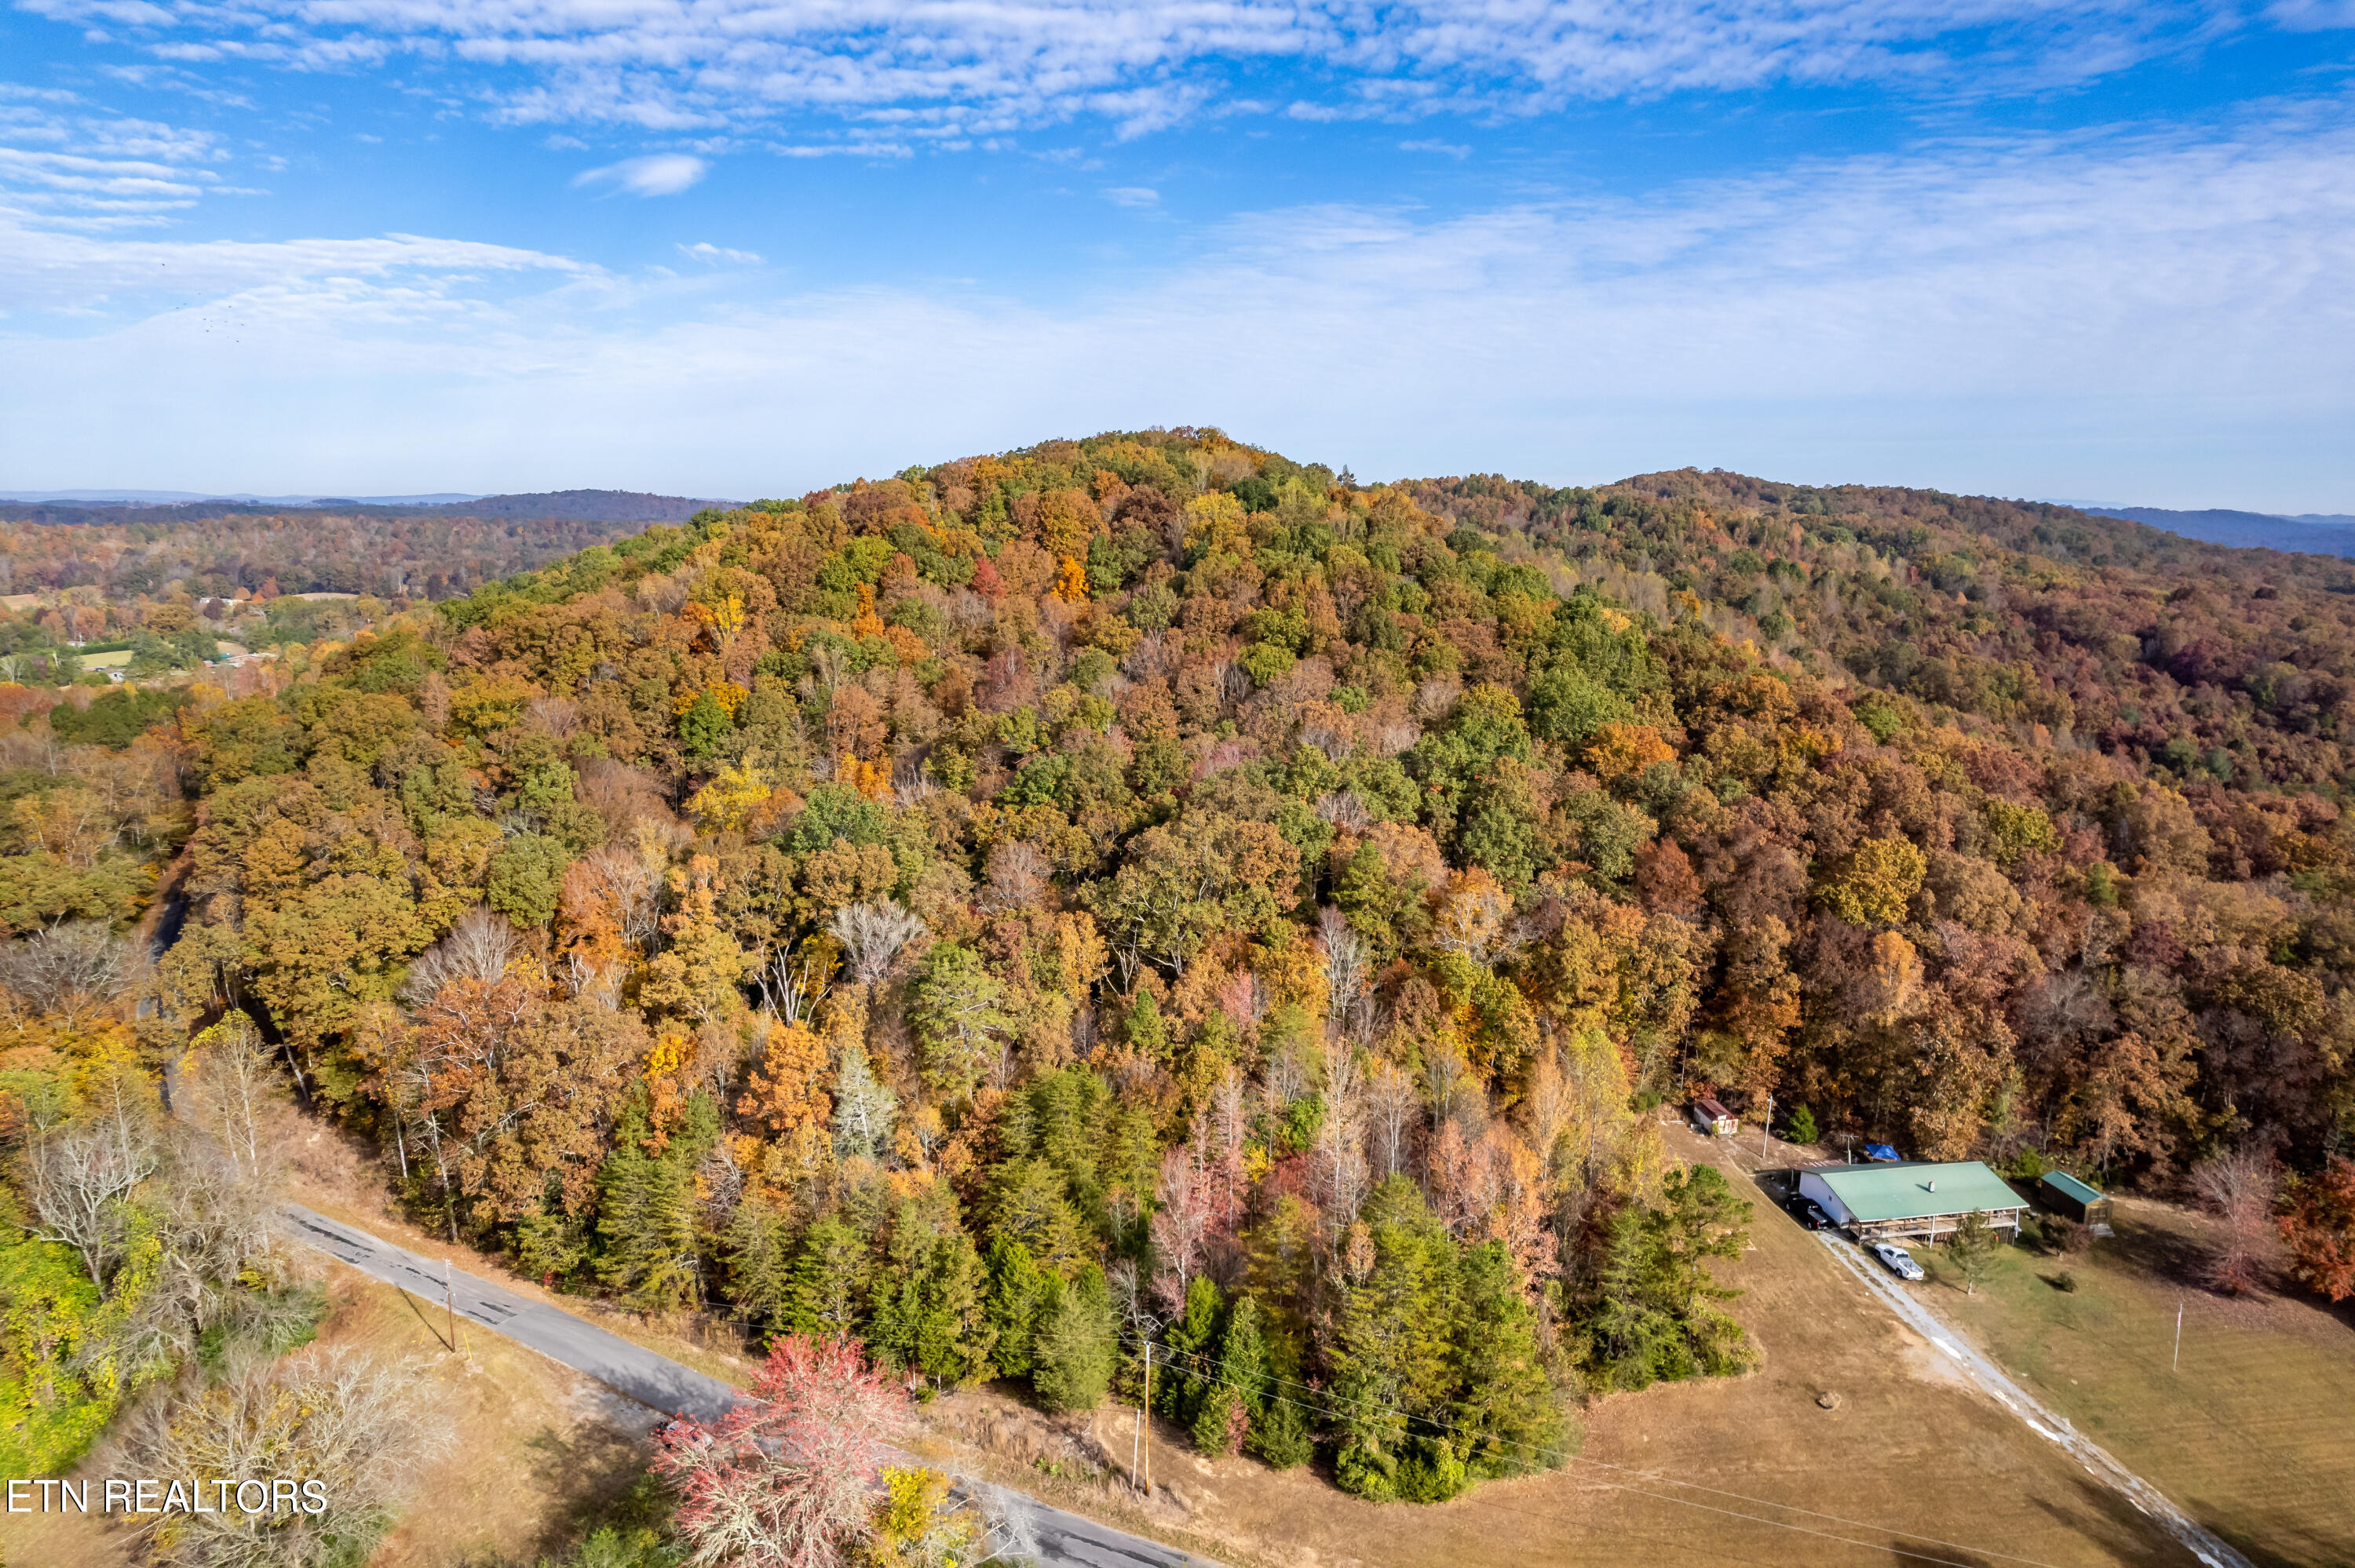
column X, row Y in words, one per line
column 1712, row 1117
column 2064, row 1194
column 1879, row 1202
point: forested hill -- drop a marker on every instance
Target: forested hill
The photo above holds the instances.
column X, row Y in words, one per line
column 555, row 505
column 994, row 910
column 2209, row 660
column 584, row 506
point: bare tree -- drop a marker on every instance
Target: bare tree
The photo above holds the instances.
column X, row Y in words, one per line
column 1345, row 809
column 792, row 987
column 1392, row 1108
column 77, row 1182
column 1338, row 1172
column 70, row 972
column 211, row 1220
column 2239, row 1189
column 1017, row 876
column 872, row 935
column 1180, row 1224
column 357, row 1425
column 230, row 1080
column 1345, row 964
column 480, row 947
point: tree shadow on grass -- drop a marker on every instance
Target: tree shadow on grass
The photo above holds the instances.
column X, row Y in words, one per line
column 595, row 1476
column 2159, row 1253
column 2106, row 1518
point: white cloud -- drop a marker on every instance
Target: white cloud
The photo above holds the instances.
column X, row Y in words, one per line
column 2159, row 315
column 339, row 285
column 951, row 70
column 75, row 167
column 706, row 251
column 1133, row 195
column 655, row 174
column 1451, row 149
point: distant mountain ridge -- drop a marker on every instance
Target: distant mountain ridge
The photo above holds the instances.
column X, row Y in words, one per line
column 2311, row 532
column 171, row 506
column 184, row 497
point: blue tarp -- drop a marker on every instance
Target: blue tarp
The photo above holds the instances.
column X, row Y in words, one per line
column 1879, row 1152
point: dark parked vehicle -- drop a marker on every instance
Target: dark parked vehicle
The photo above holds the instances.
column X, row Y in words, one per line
column 1810, row 1213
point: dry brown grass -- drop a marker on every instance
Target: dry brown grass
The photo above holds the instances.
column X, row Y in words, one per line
column 1909, row 1447
column 538, row 1448
column 335, row 1175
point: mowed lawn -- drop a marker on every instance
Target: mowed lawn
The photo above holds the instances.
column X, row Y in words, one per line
column 2255, row 1437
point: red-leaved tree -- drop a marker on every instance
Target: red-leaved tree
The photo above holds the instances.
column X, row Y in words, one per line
column 788, row 1482
column 2319, row 1226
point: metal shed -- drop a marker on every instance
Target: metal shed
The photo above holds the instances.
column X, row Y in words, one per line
column 1913, row 1198
column 1713, row 1118
column 2064, row 1194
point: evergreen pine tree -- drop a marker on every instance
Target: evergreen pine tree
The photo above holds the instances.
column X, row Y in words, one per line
column 1017, row 1289
column 1280, row 1433
column 1390, row 1355
column 1631, row 1340
column 1074, row 1347
column 1192, row 1342
column 1147, row 1035
column 759, row 1261
column 824, row 1296
column 648, row 1241
column 1507, row 1417
column 1801, row 1128
column 927, row 1300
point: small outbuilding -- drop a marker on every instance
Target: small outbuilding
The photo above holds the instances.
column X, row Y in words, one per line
column 2064, row 1194
column 1913, row 1198
column 1712, row 1117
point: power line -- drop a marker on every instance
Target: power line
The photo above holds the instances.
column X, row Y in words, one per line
column 1562, row 1457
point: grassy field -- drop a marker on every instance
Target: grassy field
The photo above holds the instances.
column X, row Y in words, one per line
column 1907, row 1447
column 2255, row 1435
column 538, row 1451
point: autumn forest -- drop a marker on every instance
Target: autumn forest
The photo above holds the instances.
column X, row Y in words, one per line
column 1145, row 889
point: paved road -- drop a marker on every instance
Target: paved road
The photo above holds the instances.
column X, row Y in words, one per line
column 2040, row 1420
column 1023, row 1527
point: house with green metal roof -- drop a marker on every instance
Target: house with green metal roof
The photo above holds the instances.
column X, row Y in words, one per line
column 1913, row 1198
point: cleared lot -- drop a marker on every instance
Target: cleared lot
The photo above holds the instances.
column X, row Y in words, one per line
column 2255, row 1435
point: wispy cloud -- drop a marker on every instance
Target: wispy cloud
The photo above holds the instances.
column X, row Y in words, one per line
column 655, row 174
column 74, row 166
column 952, row 72
column 1133, row 195
column 706, row 251
column 1449, row 149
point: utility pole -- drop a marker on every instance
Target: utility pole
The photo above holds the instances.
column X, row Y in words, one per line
column 1144, row 1421
column 2178, row 1335
column 450, row 1303
column 1763, row 1129
column 1136, row 1440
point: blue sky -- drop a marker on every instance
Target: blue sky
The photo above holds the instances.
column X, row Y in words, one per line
column 747, row 247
